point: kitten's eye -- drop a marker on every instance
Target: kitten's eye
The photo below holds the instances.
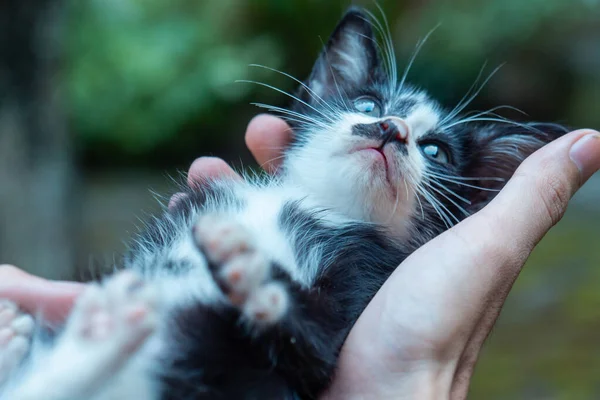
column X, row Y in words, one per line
column 367, row 105
column 435, row 152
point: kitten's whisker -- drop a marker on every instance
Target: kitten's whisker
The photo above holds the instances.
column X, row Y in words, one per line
column 501, row 119
column 291, row 113
column 435, row 204
column 390, row 45
column 271, row 160
column 287, row 94
column 388, row 52
column 447, row 198
column 459, row 108
column 292, row 119
column 461, row 178
column 415, row 191
column 313, row 94
column 492, row 110
column 420, row 45
column 420, row 204
column 469, row 185
column 453, row 113
column 448, row 212
column 449, row 191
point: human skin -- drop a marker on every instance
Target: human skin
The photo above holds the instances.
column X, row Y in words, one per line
column 421, row 335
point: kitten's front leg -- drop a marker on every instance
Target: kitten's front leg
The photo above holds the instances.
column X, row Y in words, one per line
column 304, row 327
column 243, row 273
column 107, row 326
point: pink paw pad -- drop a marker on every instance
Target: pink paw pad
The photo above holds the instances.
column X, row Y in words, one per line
column 240, row 269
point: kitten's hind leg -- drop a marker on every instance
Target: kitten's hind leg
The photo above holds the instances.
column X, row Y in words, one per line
column 107, row 326
column 241, row 270
column 15, row 336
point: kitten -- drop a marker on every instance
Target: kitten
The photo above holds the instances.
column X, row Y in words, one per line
column 247, row 290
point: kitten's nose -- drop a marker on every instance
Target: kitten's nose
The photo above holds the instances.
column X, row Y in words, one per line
column 394, row 129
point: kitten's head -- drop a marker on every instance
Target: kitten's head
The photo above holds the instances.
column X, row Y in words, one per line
column 370, row 145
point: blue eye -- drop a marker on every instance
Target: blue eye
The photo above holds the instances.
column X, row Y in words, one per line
column 434, row 152
column 367, row 105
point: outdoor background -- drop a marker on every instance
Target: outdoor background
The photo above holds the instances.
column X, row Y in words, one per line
column 102, row 101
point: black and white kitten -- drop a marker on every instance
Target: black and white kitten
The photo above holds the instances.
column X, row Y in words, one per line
column 247, row 289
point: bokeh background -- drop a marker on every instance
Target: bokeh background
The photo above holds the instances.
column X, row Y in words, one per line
column 104, row 102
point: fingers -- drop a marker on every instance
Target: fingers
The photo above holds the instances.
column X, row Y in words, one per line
column 209, row 167
column 203, row 168
column 266, row 137
column 53, row 300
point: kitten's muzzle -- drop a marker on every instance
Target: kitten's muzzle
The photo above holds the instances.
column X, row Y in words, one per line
column 387, row 130
column 393, row 129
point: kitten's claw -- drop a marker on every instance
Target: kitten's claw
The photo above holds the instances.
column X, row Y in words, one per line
column 15, row 336
column 240, row 269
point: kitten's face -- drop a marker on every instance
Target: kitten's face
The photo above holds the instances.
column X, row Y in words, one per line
column 379, row 150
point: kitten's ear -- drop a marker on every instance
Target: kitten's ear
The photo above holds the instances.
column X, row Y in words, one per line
column 349, row 58
column 497, row 151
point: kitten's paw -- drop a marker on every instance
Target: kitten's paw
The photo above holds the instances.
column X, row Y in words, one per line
column 240, row 269
column 15, row 336
column 117, row 316
column 222, row 239
column 107, row 326
column 268, row 304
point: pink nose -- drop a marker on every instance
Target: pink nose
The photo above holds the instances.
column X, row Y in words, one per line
column 394, row 129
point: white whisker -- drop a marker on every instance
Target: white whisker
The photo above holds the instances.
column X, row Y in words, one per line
column 447, row 198
column 420, row 45
column 287, row 94
column 444, row 187
column 291, row 113
column 460, row 107
column 312, row 93
column 457, row 182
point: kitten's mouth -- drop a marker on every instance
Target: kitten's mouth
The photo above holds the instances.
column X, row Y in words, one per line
column 379, row 153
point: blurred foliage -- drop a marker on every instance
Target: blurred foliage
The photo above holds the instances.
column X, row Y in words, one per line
column 141, row 72
column 153, row 81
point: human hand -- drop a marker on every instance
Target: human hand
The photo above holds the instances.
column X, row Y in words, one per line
column 421, row 335
column 35, row 295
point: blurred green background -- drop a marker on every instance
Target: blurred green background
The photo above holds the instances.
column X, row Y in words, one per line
column 102, row 100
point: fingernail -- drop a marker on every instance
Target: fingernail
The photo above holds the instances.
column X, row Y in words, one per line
column 585, row 153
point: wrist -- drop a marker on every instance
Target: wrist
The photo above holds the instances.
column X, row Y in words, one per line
column 429, row 381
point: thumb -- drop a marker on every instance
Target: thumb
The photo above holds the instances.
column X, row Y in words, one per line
column 536, row 197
